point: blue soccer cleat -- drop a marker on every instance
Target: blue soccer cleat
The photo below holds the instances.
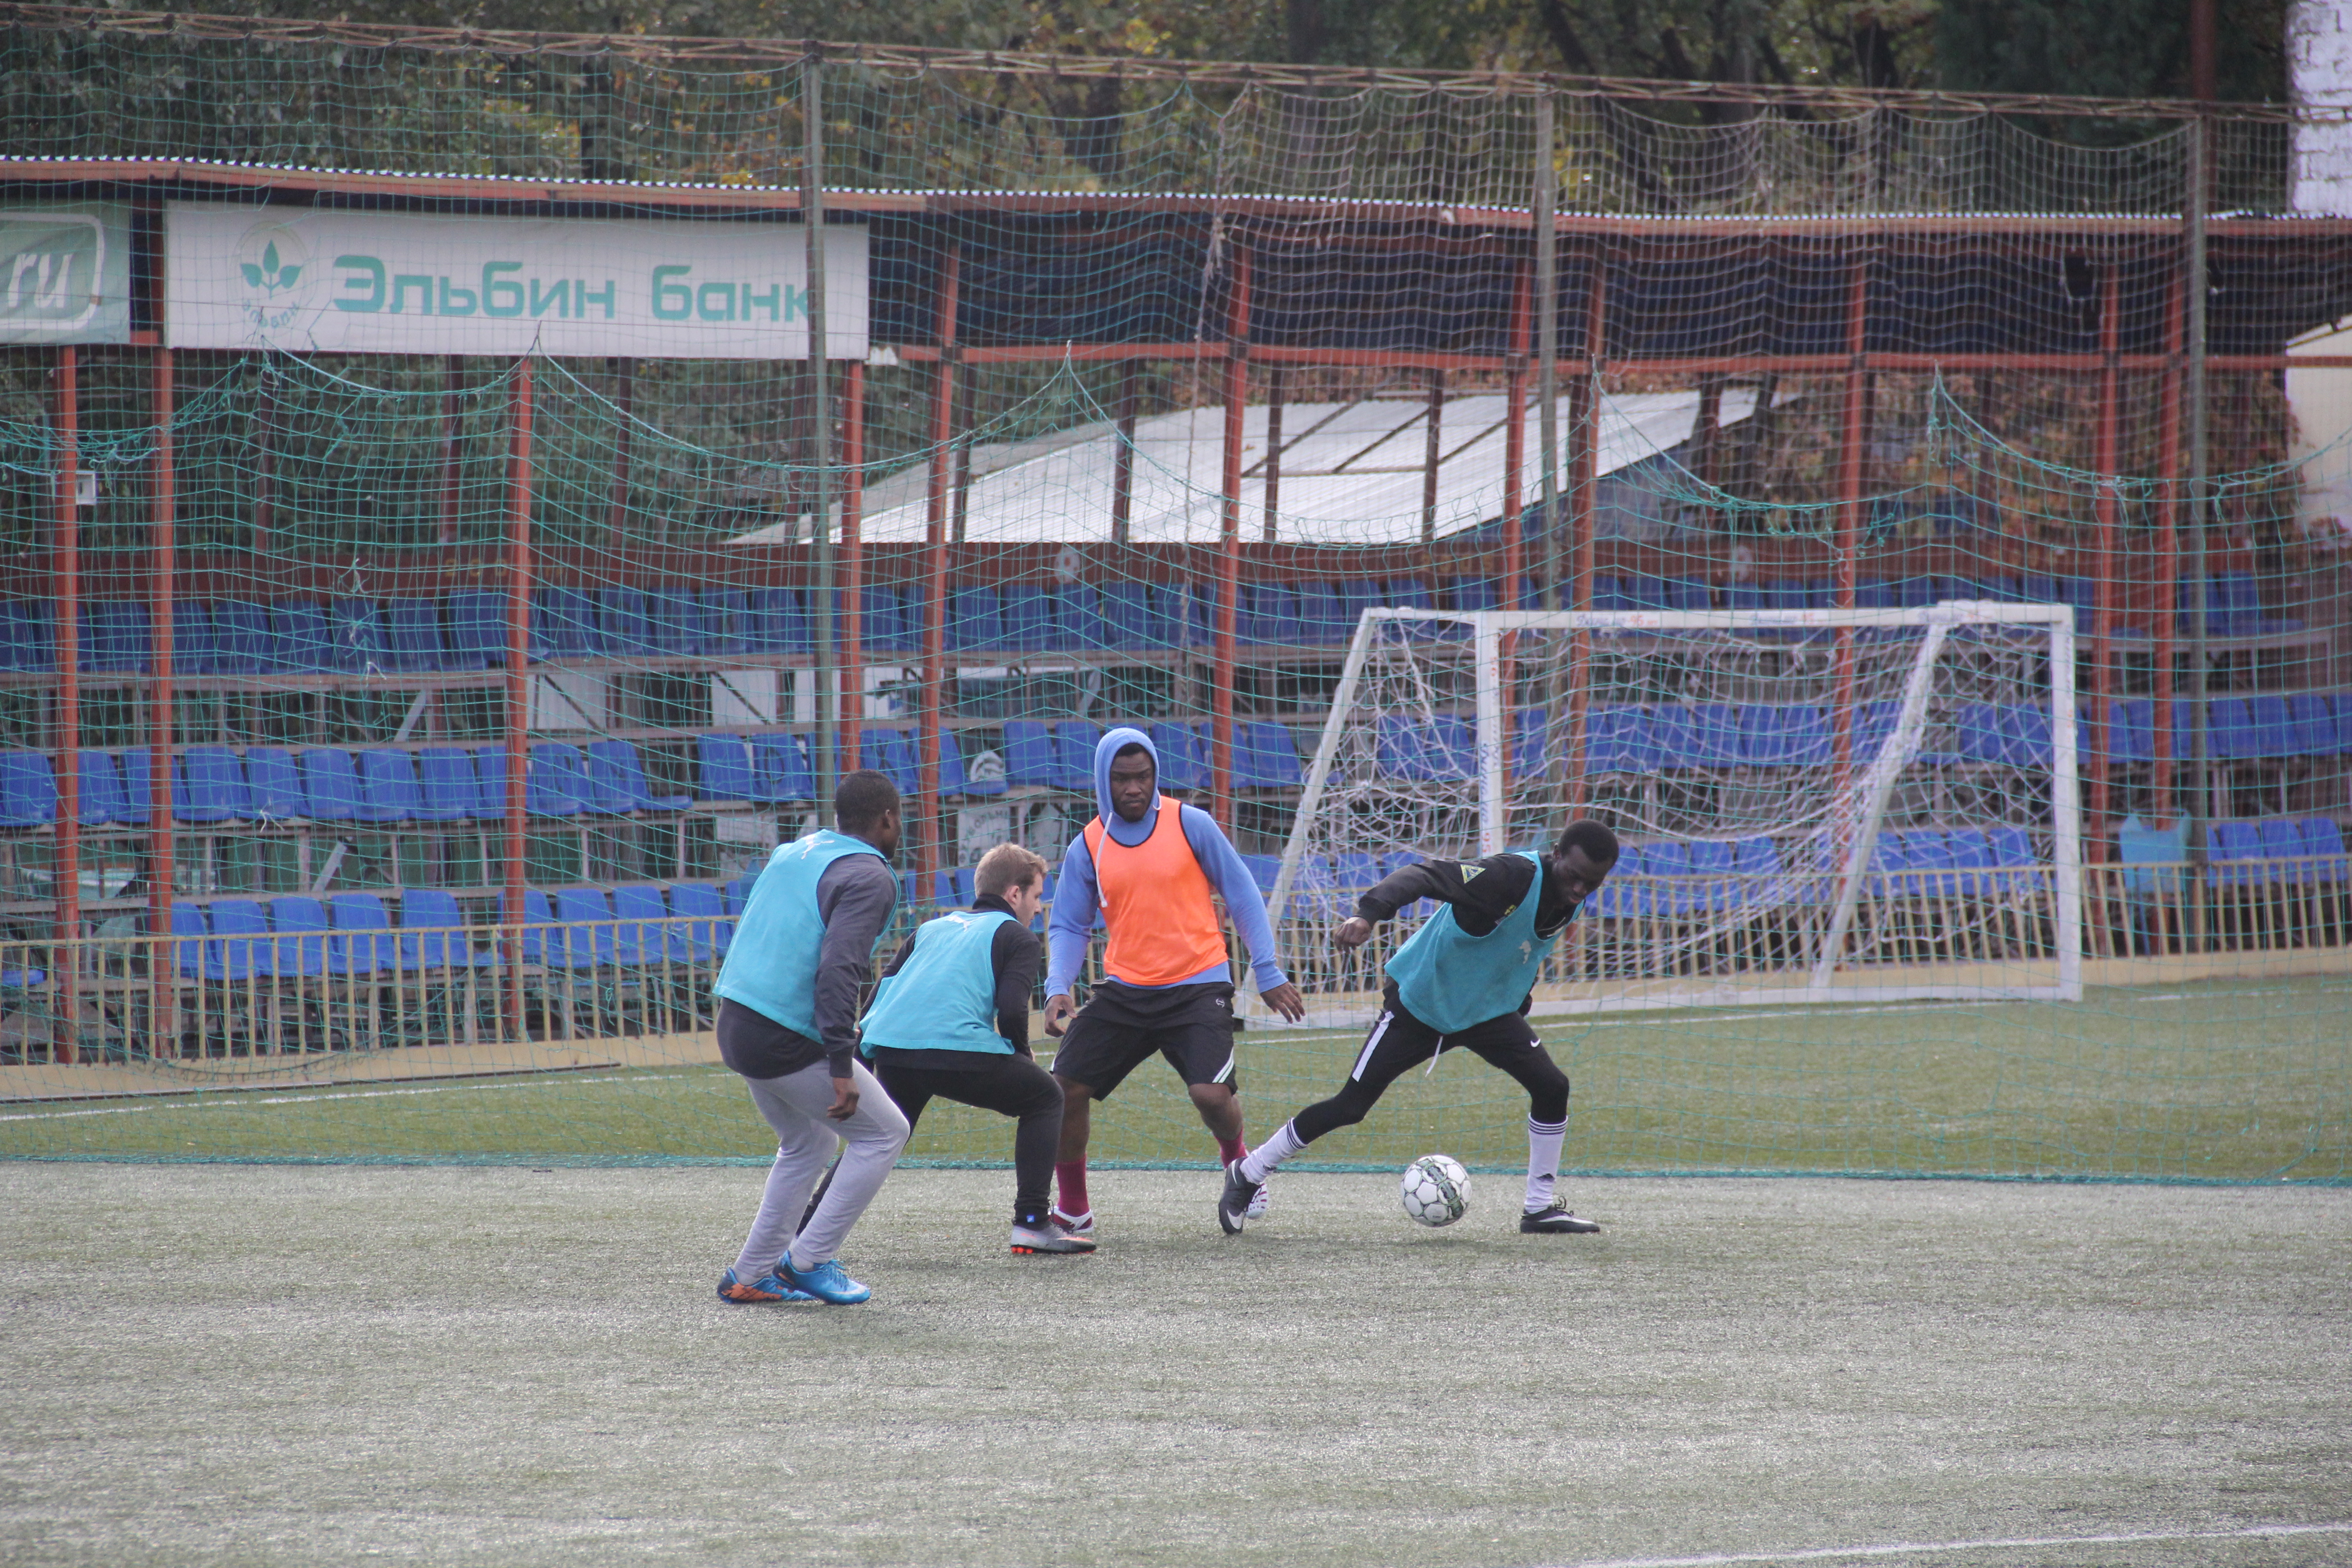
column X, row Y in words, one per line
column 767, row 1286
column 828, row 1281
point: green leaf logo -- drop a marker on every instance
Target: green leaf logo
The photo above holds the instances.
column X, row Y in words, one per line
column 286, row 279
column 252, row 274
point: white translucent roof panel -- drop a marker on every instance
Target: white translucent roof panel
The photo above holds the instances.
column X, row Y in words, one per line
column 1352, row 473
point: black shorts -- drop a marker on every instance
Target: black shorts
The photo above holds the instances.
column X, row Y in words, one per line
column 1122, row 1025
column 1397, row 1040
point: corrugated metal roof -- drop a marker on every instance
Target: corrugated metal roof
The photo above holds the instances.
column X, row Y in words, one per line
column 1352, row 472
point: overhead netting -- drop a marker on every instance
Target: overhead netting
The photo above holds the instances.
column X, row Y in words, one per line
column 388, row 737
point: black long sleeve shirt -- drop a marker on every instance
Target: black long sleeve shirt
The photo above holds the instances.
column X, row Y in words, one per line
column 1480, row 892
column 1014, row 954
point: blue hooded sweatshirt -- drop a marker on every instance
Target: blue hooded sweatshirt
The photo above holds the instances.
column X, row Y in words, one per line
column 1078, row 898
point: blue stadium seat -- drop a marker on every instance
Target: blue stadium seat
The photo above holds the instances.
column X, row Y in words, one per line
column 724, row 767
column 1183, row 755
column 1442, row 748
column 2230, row 731
column 885, row 624
column 953, row 781
column 490, row 781
column 779, row 769
column 363, row 943
column 1133, row 613
column 615, row 770
column 2282, row 839
column 676, row 623
column 114, row 637
column 138, row 784
column 886, row 750
column 1410, row 594
column 555, row 783
column 976, row 622
column 28, row 790
column 1756, row 859
column 100, row 798
column 1031, row 619
column 2008, row 734
column 331, row 786
column 2233, row 842
column 1355, row 596
column 776, row 620
column 594, row 938
column 711, row 929
column 725, row 615
column 357, row 639
column 1619, row 740
column 239, row 948
column 210, row 786
column 1268, row 614
column 478, row 631
column 1776, row 736
column 274, row 783
column 434, row 935
column 186, row 958
column 2131, row 730
column 304, row 640
column 1029, row 754
column 191, row 637
column 2323, row 845
column 299, row 923
column 388, row 788
column 1529, row 739
column 642, row 932
column 1085, row 621
column 448, row 789
column 28, row 635
column 2272, row 723
column 245, row 642
column 1670, row 732
column 1075, row 741
column 565, row 622
column 1265, row 757
column 1715, row 736
column 1672, row 863
column 2311, row 725
column 411, row 636
column 1324, row 620
column 622, row 627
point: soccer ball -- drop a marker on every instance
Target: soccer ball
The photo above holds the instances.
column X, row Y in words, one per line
column 1436, row 1190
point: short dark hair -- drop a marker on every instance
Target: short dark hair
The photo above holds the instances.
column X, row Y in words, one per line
column 1136, row 749
column 1593, row 837
column 863, row 798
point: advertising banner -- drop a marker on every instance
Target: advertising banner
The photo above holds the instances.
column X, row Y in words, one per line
column 315, row 281
column 64, row 274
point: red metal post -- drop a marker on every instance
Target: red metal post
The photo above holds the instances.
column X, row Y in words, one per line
column 616, row 506
column 1853, row 420
column 452, row 372
column 2106, row 460
column 1273, row 391
column 518, row 582
column 64, row 570
column 1583, row 402
column 162, row 502
column 1229, row 540
column 2165, row 589
column 1430, row 456
column 850, row 711
column 935, row 537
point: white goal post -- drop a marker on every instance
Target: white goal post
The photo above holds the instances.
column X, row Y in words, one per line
column 1774, row 872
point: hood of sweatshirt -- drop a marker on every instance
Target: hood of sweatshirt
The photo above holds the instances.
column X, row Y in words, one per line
column 1122, row 831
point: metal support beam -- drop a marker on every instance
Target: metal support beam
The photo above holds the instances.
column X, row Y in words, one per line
column 826, row 758
column 518, row 682
column 946, row 450
column 65, row 573
column 162, row 509
column 1229, row 537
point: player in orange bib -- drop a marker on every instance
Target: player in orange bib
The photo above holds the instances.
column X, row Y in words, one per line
column 1149, row 865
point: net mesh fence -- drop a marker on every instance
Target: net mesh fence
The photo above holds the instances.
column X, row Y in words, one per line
column 1167, row 377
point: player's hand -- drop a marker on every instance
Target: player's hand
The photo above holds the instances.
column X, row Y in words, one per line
column 1058, row 1012
column 1284, row 1000
column 1351, row 935
column 845, row 1100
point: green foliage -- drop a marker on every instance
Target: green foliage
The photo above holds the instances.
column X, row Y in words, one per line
column 2109, row 48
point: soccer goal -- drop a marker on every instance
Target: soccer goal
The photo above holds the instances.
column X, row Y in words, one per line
column 1814, row 804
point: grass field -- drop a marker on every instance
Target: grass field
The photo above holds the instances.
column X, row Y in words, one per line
column 2215, row 1082
column 266, row 1366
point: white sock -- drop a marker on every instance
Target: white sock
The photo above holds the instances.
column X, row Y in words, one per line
column 1544, row 1139
column 1267, row 1157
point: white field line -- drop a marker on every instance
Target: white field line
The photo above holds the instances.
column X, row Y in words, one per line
column 1909, row 1548
column 316, row 1098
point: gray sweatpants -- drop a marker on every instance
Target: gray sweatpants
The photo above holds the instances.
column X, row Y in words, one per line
column 795, row 1107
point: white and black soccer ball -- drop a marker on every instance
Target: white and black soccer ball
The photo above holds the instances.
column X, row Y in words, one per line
column 1436, row 1190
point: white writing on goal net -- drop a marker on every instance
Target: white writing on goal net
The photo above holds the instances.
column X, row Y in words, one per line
column 1812, row 805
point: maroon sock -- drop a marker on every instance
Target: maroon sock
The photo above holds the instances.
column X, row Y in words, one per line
column 1231, row 1149
column 1070, row 1177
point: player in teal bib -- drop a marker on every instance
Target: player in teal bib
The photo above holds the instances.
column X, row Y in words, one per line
column 950, row 1021
column 1465, row 978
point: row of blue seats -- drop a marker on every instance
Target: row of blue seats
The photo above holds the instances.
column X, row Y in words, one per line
column 2300, row 852
column 349, row 934
column 468, row 631
column 437, row 784
column 1062, row 756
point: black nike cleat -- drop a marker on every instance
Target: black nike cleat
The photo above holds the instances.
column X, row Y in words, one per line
column 1234, row 1203
column 1556, row 1219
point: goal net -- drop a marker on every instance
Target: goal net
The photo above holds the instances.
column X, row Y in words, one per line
column 1814, row 805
